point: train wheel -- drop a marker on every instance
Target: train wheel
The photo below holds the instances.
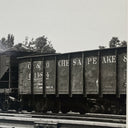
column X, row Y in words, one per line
column 5, row 106
column 55, row 111
column 82, row 112
column 95, row 109
column 38, row 107
column 83, row 108
column 122, row 110
column 56, row 107
column 44, row 111
column 29, row 109
column 65, row 110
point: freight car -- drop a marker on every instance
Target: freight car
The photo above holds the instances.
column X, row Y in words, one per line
column 87, row 81
column 9, row 78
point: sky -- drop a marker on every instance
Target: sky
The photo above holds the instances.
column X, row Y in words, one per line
column 70, row 25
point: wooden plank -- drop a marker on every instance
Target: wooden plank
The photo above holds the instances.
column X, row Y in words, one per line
column 77, row 74
column 37, row 77
column 108, row 72
column 63, row 74
column 70, row 86
column 56, row 78
column 91, row 73
column 83, row 70
column 50, row 67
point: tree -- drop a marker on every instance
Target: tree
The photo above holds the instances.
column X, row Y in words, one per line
column 123, row 44
column 10, row 41
column 40, row 44
column 48, row 48
column 114, row 42
column 7, row 43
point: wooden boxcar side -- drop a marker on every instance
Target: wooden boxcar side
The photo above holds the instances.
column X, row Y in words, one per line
column 25, row 77
column 90, row 72
column 122, row 71
column 4, row 71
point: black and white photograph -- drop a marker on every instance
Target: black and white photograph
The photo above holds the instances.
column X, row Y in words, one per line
column 63, row 63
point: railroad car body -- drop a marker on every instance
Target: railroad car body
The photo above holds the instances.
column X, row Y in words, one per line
column 9, row 77
column 87, row 81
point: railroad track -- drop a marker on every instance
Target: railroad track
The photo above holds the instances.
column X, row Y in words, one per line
column 87, row 116
column 89, row 119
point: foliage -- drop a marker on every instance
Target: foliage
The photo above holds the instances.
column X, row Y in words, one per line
column 115, row 42
column 101, row 47
column 123, row 44
column 40, row 44
column 7, row 43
